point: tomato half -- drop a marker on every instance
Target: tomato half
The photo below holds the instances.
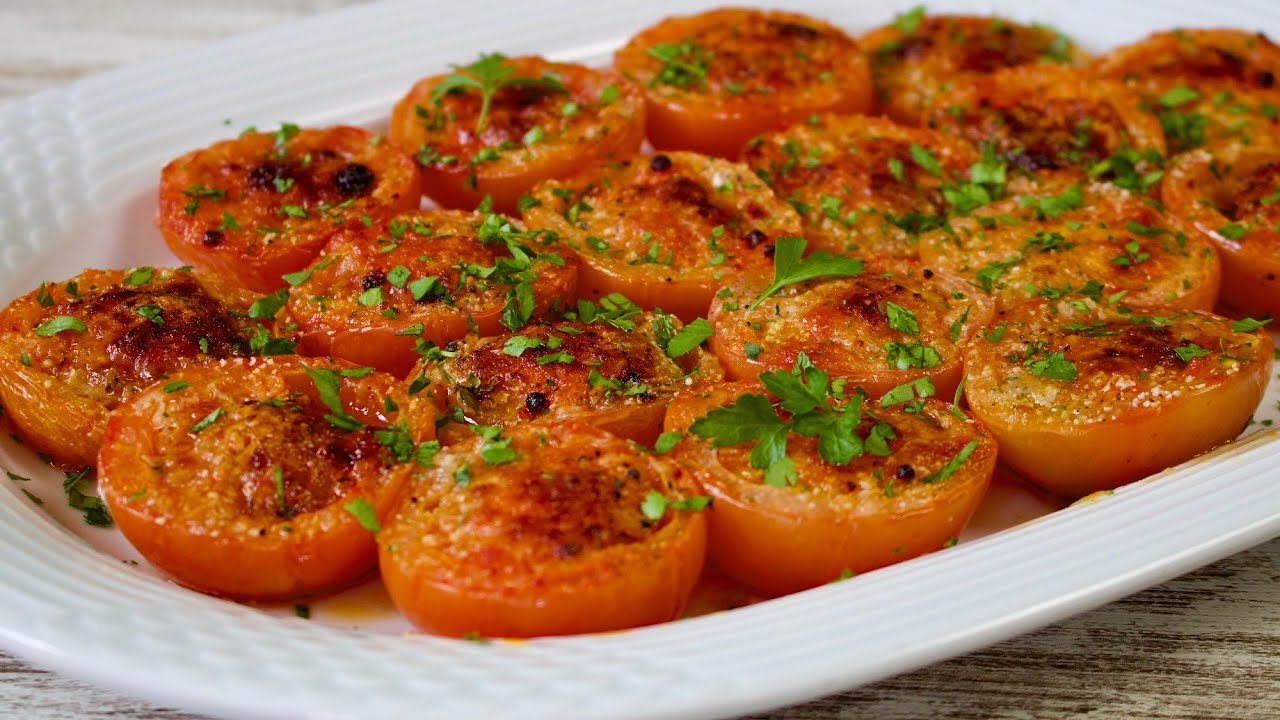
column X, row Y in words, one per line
column 544, row 530
column 1225, row 194
column 915, row 57
column 1053, row 117
column 892, row 324
column 862, row 185
column 886, row 505
column 261, row 479
column 665, row 231
column 1091, row 240
column 716, row 79
column 616, row 370
column 430, row 275
column 71, row 352
column 1203, row 85
column 541, row 120
column 1084, row 398
column 261, row 205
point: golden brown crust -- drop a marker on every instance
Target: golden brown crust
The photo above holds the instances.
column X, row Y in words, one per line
column 913, row 59
column 261, row 205
column 665, row 231
column 124, row 330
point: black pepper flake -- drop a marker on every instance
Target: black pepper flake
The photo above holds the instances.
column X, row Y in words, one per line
column 1265, row 78
column 373, row 280
column 354, row 179
column 768, row 251
column 660, row 163
column 212, row 238
column 537, row 403
column 755, row 238
column 928, row 274
column 905, row 472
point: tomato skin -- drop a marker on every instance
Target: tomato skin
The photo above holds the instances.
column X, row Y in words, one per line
column 527, row 567
column 910, row 66
column 1133, row 407
column 335, row 316
column 1217, row 194
column 785, row 539
column 647, row 228
column 200, row 506
column 841, row 324
column 754, row 81
column 57, row 390
column 597, row 131
column 849, row 159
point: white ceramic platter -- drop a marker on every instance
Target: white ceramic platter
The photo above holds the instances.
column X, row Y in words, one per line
column 78, row 168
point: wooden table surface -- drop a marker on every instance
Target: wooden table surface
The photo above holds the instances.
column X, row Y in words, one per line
column 1206, row 645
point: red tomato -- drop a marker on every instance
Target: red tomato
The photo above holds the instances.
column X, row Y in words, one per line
column 918, row 55
column 544, row 530
column 541, row 120
column 261, row 205
column 1084, row 398
column 615, row 371
column 886, row 505
column 665, row 231
column 430, row 275
column 71, row 352
column 716, row 79
column 890, row 325
column 863, row 185
column 256, row 481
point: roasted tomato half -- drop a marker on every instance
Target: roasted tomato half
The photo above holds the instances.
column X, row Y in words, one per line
column 1055, row 117
column 813, row 482
column 1091, row 240
column 499, row 125
column 716, row 79
column 1082, row 397
column 667, row 230
column 917, row 55
column 71, row 352
column 379, row 293
column 611, row 364
column 867, row 185
column 261, row 205
column 1203, row 85
column 890, row 324
column 1227, row 194
column 544, row 530
column 263, row 479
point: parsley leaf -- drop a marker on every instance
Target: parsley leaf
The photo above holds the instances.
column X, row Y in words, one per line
column 789, row 268
column 689, row 337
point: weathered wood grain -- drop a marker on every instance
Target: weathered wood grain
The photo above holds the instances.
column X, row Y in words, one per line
column 1204, row 646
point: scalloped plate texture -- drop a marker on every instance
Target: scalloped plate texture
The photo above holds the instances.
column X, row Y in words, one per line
column 78, row 169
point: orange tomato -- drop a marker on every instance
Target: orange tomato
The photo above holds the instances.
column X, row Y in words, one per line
column 71, row 352
column 1090, row 240
column 543, row 530
column 716, row 79
column 539, row 120
column 1084, row 398
column 892, row 324
column 886, row 505
column 261, row 205
column 917, row 56
column 1204, row 85
column 1225, row 194
column 257, row 480
column 863, row 184
column 1052, row 117
column 430, row 275
column 664, row 231
column 617, row 371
